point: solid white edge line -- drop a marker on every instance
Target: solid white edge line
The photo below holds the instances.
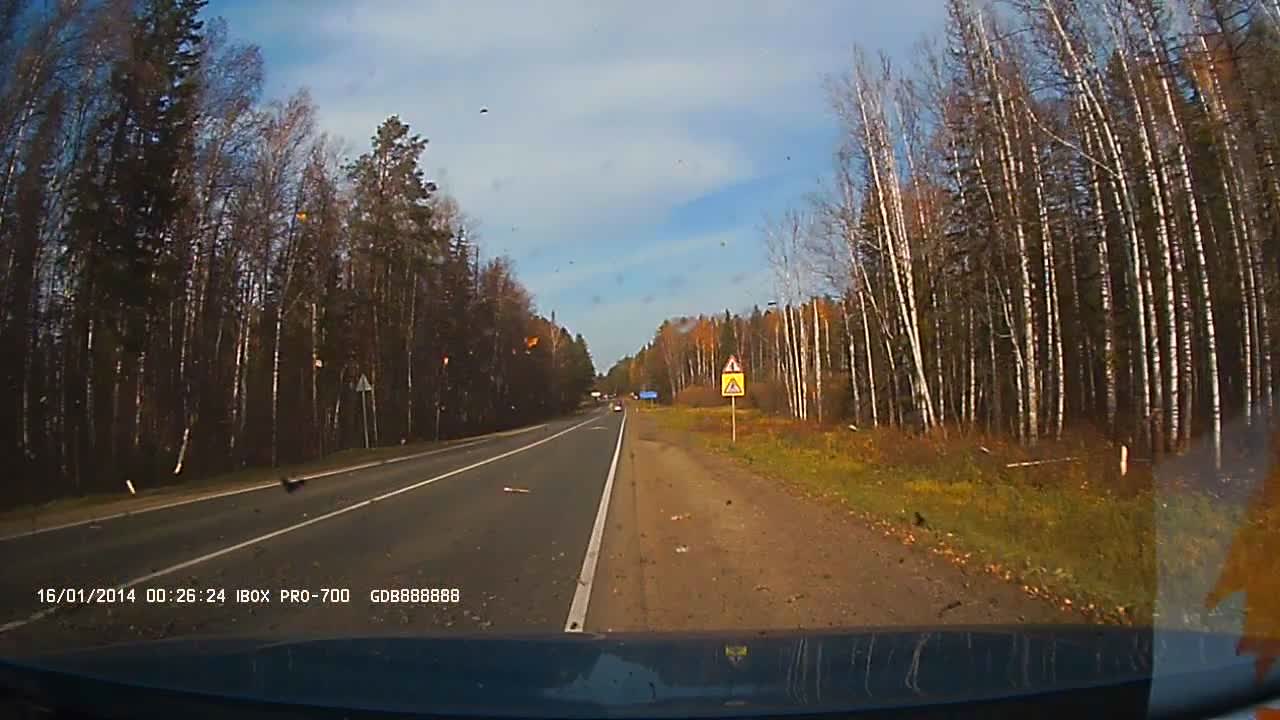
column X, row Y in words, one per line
column 582, row 594
column 264, row 486
column 14, row 624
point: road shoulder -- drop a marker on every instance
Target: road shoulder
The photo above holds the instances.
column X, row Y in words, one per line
column 76, row 511
column 696, row 542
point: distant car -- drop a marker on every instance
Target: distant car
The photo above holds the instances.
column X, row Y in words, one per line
column 617, row 407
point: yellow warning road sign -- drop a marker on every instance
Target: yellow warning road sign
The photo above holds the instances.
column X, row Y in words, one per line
column 733, row 384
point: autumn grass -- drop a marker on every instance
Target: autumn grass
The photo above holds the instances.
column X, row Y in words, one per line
column 1075, row 532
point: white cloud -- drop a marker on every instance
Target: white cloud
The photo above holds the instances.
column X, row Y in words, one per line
column 603, row 117
column 623, row 262
column 557, row 184
column 477, row 32
column 640, row 317
column 592, row 106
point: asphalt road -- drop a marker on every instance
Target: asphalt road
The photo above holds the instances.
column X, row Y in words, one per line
column 317, row 561
column 694, row 541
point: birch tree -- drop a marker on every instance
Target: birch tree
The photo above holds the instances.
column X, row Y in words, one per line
column 1061, row 218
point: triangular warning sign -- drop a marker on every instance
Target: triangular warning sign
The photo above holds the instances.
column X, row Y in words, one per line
column 363, row 385
column 732, row 388
column 732, row 366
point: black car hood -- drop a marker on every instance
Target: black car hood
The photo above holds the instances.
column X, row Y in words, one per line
column 1019, row 669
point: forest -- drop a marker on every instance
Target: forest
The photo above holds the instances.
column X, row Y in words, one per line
column 1063, row 214
column 195, row 277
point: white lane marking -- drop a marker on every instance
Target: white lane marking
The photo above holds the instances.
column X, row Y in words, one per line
column 264, row 486
column 14, row 624
column 582, row 595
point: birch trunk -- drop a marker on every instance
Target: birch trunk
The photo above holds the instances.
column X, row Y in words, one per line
column 802, row 365
column 1212, row 99
column 893, row 407
column 826, row 338
column 89, row 394
column 939, row 380
column 1089, row 86
column 1027, row 355
column 784, row 371
column 1020, row 376
column 995, row 419
column 794, row 364
column 316, row 421
column 970, row 400
column 1084, row 356
column 275, row 390
column 934, row 403
column 243, row 359
column 866, row 344
column 1104, row 291
column 885, row 191
column 1249, row 325
column 1265, row 367
column 853, row 362
column 1053, row 321
column 817, row 363
column 1197, row 250
column 1167, row 430
column 971, row 393
column 138, row 397
column 408, row 357
column 1155, row 421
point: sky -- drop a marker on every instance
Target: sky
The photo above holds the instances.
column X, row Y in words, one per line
column 631, row 150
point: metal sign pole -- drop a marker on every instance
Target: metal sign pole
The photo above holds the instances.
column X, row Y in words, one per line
column 364, row 388
column 364, row 408
column 732, row 384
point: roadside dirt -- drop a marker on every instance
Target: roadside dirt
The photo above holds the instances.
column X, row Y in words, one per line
column 695, row 542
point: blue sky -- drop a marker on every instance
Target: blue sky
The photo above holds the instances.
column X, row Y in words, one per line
column 631, row 150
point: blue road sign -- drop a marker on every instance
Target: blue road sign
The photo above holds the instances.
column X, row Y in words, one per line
column 648, row 394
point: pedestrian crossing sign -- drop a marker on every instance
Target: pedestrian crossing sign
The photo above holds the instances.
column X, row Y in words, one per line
column 733, row 384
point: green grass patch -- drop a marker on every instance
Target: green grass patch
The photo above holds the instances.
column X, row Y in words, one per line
column 1073, row 530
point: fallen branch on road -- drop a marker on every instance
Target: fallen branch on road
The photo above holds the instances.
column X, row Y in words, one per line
column 1029, row 463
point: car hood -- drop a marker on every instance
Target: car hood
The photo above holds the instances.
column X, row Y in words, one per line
column 620, row 675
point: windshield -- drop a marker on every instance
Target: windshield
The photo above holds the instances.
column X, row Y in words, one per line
column 342, row 320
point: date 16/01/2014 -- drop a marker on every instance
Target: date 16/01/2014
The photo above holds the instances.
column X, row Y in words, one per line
column 190, row 595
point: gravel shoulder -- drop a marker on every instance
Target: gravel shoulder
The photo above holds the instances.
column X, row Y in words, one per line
column 696, row 542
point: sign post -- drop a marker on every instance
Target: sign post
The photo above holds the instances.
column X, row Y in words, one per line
column 733, row 385
column 363, row 387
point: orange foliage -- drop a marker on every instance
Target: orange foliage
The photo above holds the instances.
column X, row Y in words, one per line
column 1253, row 568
